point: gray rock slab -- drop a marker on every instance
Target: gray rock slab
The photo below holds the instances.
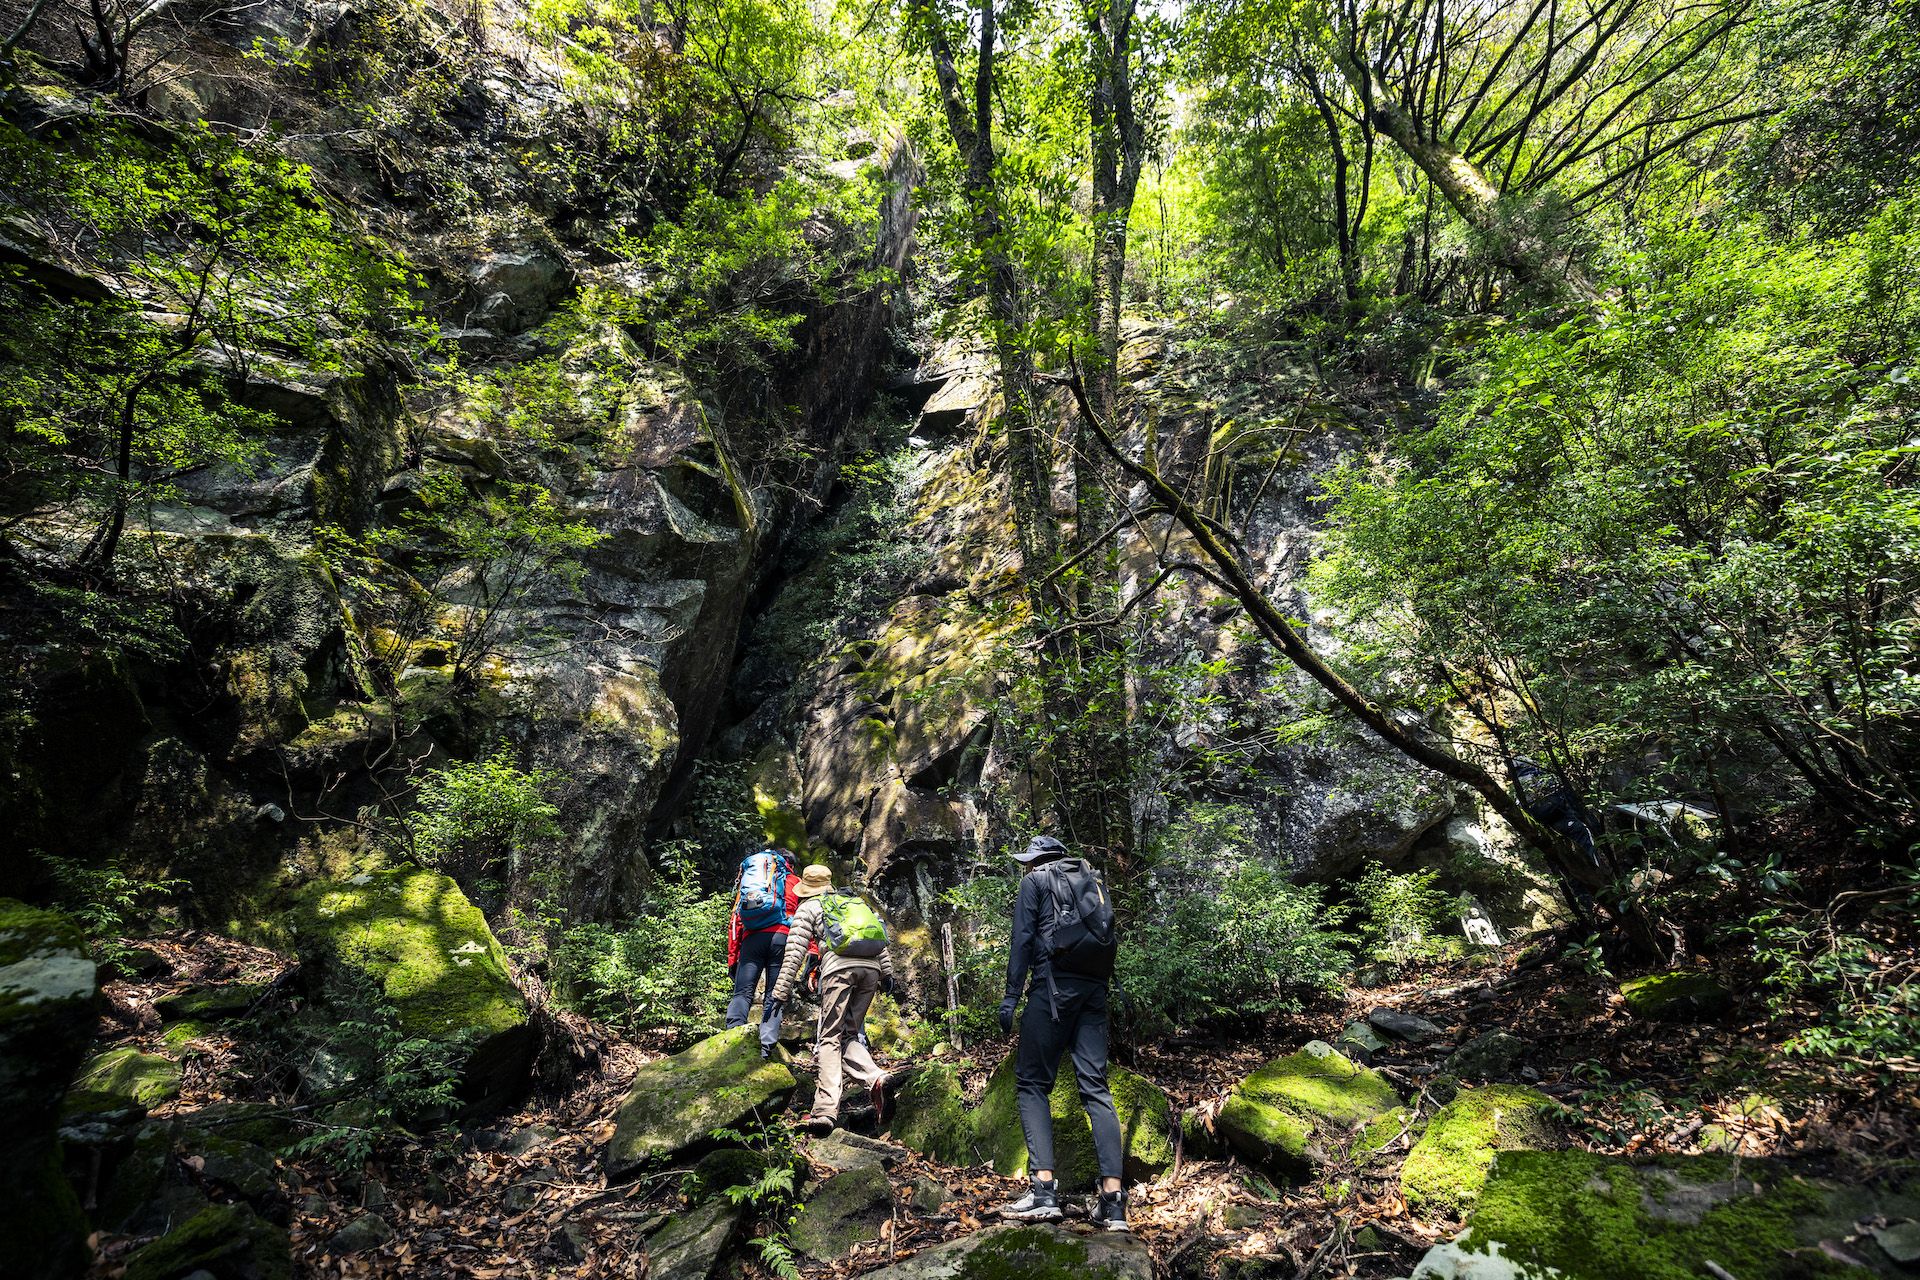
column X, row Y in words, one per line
column 1029, row 1253
column 676, row 1102
column 1410, row 1027
column 841, row 1150
column 691, row 1243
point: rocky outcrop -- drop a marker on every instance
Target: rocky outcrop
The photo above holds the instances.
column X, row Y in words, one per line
column 1031, row 1253
column 1144, row 1127
column 1297, row 1111
column 1591, row 1217
column 1444, row 1172
column 411, row 938
column 674, row 1103
column 48, row 991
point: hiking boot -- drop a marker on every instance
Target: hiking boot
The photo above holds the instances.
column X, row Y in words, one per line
column 819, row 1126
column 1040, row 1204
column 1110, row 1210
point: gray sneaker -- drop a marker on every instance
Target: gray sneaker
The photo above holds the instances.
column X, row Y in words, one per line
column 1040, row 1204
column 1110, row 1210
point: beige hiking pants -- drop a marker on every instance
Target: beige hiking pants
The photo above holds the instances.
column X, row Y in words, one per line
column 845, row 995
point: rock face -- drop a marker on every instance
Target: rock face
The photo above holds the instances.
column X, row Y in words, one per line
column 1144, row 1125
column 48, row 991
column 1444, row 1172
column 1288, row 1115
column 1679, row 996
column 675, row 1102
column 1028, row 1253
column 1589, row 1217
column 414, row 936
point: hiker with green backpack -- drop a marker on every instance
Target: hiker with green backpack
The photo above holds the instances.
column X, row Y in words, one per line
column 854, row 968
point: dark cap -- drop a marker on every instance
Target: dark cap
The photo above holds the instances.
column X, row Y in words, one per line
column 1041, row 847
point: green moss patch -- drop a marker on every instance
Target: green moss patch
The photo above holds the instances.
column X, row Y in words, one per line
column 930, row 1116
column 205, row 1004
column 147, row 1078
column 1144, row 1122
column 1682, row 995
column 676, row 1102
column 1593, row 1217
column 1028, row 1253
column 1447, row 1167
column 226, row 1239
column 1290, row 1113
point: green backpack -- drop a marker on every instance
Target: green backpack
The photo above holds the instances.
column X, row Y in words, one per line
column 851, row 929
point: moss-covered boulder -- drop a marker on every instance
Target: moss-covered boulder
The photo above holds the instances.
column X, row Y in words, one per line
column 48, row 993
column 422, row 946
column 720, row 1170
column 1445, row 1170
column 930, row 1115
column 1681, row 995
column 1028, row 1253
column 690, row 1245
column 148, row 1078
column 1144, row 1126
column 1590, row 1217
column 227, row 1241
column 1288, row 1115
column 209, row 1003
column 843, row 1211
column 676, row 1102
column 1486, row 1056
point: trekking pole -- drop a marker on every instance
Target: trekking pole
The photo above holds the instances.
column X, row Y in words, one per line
column 953, row 986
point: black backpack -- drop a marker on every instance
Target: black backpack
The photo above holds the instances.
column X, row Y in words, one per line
column 1076, row 929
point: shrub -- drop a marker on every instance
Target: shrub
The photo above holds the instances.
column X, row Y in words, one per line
column 1404, row 912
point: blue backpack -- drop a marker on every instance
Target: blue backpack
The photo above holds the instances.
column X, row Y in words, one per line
column 760, row 893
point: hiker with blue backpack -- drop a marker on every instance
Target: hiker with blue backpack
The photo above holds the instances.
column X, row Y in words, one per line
column 1063, row 948
column 765, row 896
column 854, row 968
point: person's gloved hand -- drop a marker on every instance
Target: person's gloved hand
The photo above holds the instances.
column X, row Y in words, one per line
column 1006, row 1012
column 887, row 985
column 777, row 1007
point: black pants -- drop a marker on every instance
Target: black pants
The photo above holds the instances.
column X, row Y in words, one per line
column 1081, row 1030
column 758, row 952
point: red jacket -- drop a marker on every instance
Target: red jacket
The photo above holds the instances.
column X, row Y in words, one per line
column 735, row 932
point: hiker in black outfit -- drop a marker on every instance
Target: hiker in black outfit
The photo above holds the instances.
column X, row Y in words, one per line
column 1066, row 1012
column 1549, row 801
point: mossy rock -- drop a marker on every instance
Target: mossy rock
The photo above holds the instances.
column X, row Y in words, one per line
column 843, row 1211
column 48, row 995
column 43, row 1233
column 208, row 1004
column 179, row 1035
column 930, row 1115
column 725, row 1168
column 1593, row 1217
column 1445, row 1170
column 260, row 1123
column 1290, row 1114
column 1485, row 1056
column 428, row 950
column 1028, row 1253
column 1144, row 1124
column 227, row 1240
column 691, row 1243
column 147, row 1078
column 676, row 1102
column 1681, row 995
column 886, row 1029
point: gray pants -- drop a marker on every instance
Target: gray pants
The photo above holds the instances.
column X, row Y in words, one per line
column 1081, row 1031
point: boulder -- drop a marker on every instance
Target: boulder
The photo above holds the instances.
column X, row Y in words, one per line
column 930, row 1115
column 691, row 1243
column 209, row 1003
column 1583, row 1216
column 719, row 1171
column 48, row 992
column 226, row 1242
column 1028, row 1253
column 1486, row 1056
column 676, row 1102
column 414, row 936
column 843, row 1211
column 1359, row 1041
column 516, row 290
column 929, row 1196
column 1410, row 1027
column 146, row 1078
column 1682, row 995
column 147, row 1194
column 1144, row 1122
column 368, row 1231
column 841, row 1151
column 1444, row 1172
column 1289, row 1114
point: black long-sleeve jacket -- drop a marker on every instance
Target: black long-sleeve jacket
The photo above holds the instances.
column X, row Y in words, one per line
column 1024, row 955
